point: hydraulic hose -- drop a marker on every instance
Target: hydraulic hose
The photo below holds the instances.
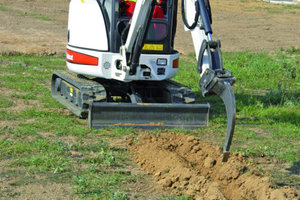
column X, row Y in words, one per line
column 202, row 7
column 196, row 15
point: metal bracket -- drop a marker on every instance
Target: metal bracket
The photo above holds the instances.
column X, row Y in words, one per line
column 214, row 82
column 217, row 80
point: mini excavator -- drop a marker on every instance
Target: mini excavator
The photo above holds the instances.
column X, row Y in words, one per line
column 120, row 66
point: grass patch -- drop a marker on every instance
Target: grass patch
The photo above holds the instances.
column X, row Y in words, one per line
column 6, row 115
column 183, row 197
column 5, row 103
column 37, row 16
column 27, row 96
column 281, row 8
column 294, row 7
column 22, row 14
column 4, row 8
column 101, row 185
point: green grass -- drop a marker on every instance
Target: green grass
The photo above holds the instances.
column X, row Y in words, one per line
column 4, row 102
column 175, row 198
column 37, row 16
column 4, row 8
column 271, row 8
column 267, row 93
column 281, row 9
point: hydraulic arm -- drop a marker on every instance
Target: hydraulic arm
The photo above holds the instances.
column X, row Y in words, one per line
column 214, row 78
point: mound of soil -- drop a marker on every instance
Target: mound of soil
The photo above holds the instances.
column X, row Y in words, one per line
column 186, row 165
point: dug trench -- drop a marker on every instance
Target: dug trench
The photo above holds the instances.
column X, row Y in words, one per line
column 184, row 165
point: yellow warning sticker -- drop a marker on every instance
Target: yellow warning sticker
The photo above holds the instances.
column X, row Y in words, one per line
column 82, row 1
column 153, row 47
column 71, row 90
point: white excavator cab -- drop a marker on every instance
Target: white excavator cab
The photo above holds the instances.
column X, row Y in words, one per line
column 97, row 30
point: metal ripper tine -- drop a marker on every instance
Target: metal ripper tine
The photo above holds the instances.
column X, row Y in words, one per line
column 229, row 100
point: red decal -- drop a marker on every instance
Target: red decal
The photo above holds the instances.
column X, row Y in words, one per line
column 79, row 58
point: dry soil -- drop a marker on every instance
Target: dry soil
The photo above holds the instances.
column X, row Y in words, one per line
column 40, row 26
column 185, row 165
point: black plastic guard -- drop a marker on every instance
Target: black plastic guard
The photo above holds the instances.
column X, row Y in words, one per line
column 158, row 115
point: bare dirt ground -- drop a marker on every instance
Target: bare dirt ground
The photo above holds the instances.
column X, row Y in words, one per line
column 249, row 25
column 40, row 26
column 179, row 164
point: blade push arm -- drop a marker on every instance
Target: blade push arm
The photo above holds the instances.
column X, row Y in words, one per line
column 214, row 78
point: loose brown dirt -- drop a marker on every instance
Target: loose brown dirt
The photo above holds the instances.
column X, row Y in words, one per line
column 185, row 165
column 248, row 25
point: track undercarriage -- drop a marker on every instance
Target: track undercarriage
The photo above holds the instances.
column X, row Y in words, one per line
column 136, row 104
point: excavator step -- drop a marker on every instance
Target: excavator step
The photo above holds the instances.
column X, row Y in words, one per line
column 147, row 116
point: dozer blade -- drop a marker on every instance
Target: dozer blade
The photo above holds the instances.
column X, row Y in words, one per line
column 158, row 115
